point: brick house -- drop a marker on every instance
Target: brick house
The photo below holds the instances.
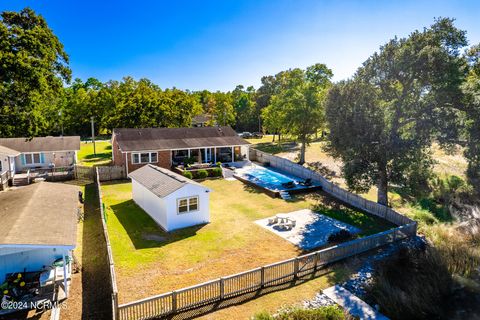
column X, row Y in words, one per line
column 167, row 147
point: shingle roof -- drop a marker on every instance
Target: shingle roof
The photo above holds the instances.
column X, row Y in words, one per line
column 176, row 138
column 42, row 144
column 8, row 151
column 201, row 118
column 160, row 181
column 42, row 213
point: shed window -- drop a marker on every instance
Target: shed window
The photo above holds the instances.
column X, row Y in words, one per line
column 144, row 157
column 187, row 204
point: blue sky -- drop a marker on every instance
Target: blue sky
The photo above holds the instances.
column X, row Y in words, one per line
column 216, row 45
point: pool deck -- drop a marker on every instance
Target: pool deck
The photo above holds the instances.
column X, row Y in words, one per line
column 311, row 231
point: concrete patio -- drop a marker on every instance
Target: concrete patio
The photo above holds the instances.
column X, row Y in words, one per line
column 311, row 231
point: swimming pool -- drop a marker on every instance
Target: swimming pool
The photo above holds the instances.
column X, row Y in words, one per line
column 272, row 179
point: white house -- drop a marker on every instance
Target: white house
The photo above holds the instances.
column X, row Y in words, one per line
column 38, row 226
column 21, row 154
column 172, row 200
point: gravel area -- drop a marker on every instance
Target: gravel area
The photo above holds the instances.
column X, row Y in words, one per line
column 360, row 280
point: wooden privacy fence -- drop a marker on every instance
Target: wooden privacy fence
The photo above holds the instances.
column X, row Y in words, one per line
column 84, row 173
column 256, row 279
column 107, row 173
column 113, row 279
column 331, row 188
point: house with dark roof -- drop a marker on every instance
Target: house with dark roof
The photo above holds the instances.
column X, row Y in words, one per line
column 167, row 147
column 21, row 154
column 172, row 200
column 39, row 227
column 202, row 120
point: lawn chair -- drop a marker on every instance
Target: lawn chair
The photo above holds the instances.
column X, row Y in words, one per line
column 272, row 220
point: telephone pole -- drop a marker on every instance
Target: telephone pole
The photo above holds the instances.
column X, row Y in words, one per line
column 93, row 136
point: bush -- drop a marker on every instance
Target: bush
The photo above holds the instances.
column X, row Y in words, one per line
column 216, row 172
column 189, row 161
column 323, row 313
column 413, row 284
column 340, row 236
column 188, row 174
column 202, row 174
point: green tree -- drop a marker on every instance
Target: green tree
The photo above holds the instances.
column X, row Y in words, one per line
column 244, row 105
column 223, row 110
column 300, row 103
column 383, row 122
column 471, row 89
column 34, row 67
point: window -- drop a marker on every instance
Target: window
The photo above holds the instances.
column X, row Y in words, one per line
column 32, row 158
column 144, row 157
column 187, row 204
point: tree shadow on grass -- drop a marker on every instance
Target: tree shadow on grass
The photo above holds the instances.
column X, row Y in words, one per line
column 144, row 231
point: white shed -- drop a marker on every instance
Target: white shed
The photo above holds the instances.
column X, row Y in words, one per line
column 172, row 200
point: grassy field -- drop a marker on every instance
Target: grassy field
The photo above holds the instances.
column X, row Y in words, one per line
column 103, row 156
column 231, row 243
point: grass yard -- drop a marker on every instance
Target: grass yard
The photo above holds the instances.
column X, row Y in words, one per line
column 103, row 153
column 231, row 243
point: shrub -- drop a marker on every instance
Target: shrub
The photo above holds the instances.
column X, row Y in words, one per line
column 323, row 313
column 219, row 164
column 202, row 174
column 189, row 161
column 413, row 284
column 216, row 172
column 340, row 236
column 188, row 174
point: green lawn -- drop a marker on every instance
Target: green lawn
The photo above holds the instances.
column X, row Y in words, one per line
column 103, row 155
column 231, row 243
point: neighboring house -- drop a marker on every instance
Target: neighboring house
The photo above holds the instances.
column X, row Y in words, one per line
column 201, row 120
column 172, row 200
column 39, row 152
column 7, row 159
column 167, row 147
column 38, row 226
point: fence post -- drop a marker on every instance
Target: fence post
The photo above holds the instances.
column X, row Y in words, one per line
column 222, row 289
column 315, row 262
column 174, row 302
column 262, row 277
column 115, row 306
column 295, row 268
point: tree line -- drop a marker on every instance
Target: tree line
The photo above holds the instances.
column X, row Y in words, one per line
column 382, row 122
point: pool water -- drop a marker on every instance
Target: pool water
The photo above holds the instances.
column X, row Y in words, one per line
column 270, row 179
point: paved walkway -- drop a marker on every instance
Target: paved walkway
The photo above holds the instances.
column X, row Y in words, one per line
column 354, row 305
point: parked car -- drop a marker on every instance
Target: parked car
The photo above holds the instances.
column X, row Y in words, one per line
column 258, row 135
column 246, row 135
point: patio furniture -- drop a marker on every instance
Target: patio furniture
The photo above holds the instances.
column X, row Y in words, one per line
column 307, row 182
column 272, row 220
column 288, row 185
column 281, row 217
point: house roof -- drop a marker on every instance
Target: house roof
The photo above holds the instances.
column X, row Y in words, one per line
column 160, row 181
column 176, row 138
column 42, row 213
column 8, row 151
column 201, row 118
column 42, row 144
